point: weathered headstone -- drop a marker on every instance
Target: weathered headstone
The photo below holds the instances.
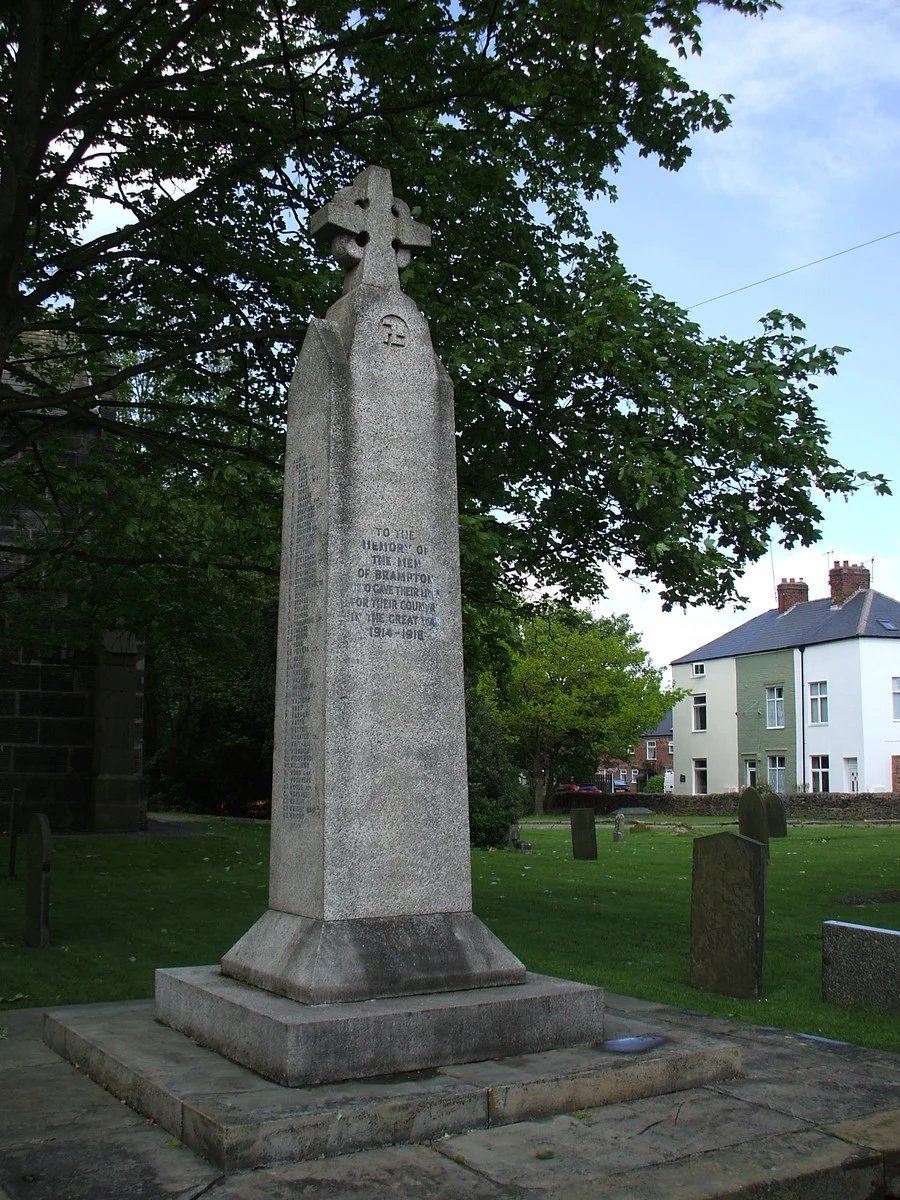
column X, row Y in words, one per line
column 582, row 822
column 370, row 749
column 728, row 909
column 776, row 818
column 619, row 828
column 512, row 837
column 37, row 883
column 752, row 821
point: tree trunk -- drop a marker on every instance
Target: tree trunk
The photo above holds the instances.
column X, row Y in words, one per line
column 538, row 781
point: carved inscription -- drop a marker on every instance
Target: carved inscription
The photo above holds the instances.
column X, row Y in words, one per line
column 395, row 593
column 394, row 331
column 301, row 586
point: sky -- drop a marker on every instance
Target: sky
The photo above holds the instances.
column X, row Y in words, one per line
column 809, row 167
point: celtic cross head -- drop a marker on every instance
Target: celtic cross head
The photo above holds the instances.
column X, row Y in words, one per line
column 371, row 232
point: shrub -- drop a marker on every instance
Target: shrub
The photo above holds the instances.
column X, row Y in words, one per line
column 656, row 784
column 495, row 793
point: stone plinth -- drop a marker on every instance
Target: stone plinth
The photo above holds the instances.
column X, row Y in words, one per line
column 299, row 1044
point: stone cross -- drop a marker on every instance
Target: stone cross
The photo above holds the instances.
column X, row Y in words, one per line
column 372, row 234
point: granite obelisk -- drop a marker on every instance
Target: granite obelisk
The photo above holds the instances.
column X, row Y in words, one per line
column 370, row 889
column 369, row 886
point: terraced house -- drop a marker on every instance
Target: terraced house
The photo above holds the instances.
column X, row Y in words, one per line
column 805, row 696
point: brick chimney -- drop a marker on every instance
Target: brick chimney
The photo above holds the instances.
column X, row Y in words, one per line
column 790, row 592
column 847, row 580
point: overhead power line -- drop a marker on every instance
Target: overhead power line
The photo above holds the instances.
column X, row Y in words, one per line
column 803, row 267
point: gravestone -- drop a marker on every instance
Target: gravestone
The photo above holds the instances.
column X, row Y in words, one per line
column 776, row 818
column 619, row 828
column 728, row 908
column 370, row 917
column 37, row 883
column 512, row 837
column 584, row 832
column 752, row 820
column 861, row 965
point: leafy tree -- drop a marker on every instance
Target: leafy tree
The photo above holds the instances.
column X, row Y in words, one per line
column 200, row 134
column 580, row 688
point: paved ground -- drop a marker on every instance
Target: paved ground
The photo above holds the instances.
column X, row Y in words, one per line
column 810, row 1120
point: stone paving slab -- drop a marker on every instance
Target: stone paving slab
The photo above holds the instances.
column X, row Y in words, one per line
column 137, row 1163
column 622, row 1138
column 798, row 1166
column 400, row 1173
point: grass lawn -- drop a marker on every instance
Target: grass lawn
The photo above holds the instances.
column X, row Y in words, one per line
column 122, row 905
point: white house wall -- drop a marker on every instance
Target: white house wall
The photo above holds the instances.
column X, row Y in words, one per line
column 838, row 665
column 718, row 744
column 879, row 663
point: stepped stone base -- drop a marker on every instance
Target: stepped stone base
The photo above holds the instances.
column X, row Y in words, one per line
column 333, row 962
column 301, row 1044
column 236, row 1120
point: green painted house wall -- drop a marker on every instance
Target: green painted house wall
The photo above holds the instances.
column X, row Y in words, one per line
column 755, row 673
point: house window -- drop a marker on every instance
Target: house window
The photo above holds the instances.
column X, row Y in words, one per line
column 699, row 715
column 775, row 708
column 635, row 774
column 821, row 774
column 818, row 704
column 777, row 765
column 651, row 750
column 671, row 747
column 895, row 689
column 700, row 777
column 751, row 773
column 698, row 669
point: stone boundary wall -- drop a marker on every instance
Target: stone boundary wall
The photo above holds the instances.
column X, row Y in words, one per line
column 848, row 806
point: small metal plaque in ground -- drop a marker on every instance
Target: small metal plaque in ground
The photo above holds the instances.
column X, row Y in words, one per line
column 584, row 833
column 37, row 884
column 634, row 1045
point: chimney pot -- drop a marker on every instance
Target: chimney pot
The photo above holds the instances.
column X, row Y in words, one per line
column 791, row 592
column 847, row 580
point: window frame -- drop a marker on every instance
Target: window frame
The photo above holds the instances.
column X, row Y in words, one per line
column 780, row 761
column 699, row 724
column 698, row 670
column 698, row 772
column 895, row 695
column 651, row 749
column 774, row 701
column 818, row 702
column 820, row 772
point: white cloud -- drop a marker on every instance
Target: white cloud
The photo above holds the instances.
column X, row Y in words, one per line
column 816, row 90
